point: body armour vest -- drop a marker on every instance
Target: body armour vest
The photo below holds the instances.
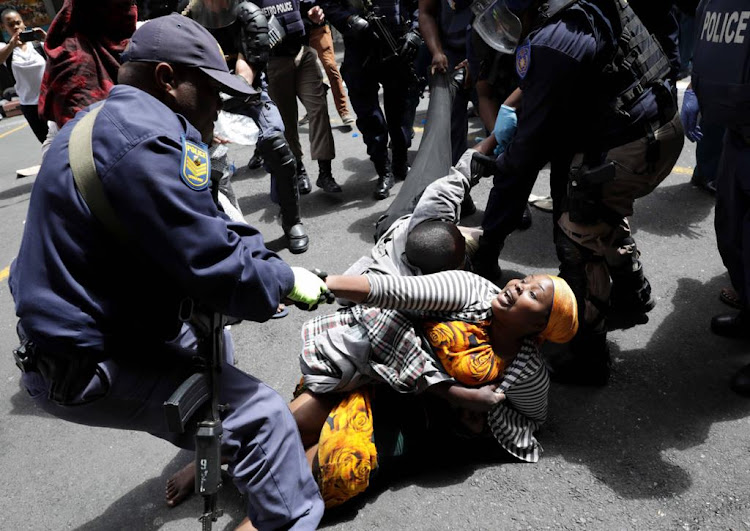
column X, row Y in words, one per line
column 639, row 64
column 721, row 63
column 287, row 12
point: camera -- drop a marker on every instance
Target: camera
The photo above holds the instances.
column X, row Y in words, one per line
column 28, row 35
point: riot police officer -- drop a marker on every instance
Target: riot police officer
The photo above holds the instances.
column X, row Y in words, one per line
column 592, row 79
column 378, row 47
column 721, row 80
column 240, row 27
column 101, row 326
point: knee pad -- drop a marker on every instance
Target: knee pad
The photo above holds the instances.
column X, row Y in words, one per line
column 278, row 156
column 254, row 39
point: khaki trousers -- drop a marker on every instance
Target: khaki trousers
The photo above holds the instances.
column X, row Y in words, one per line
column 322, row 41
column 634, row 178
column 290, row 78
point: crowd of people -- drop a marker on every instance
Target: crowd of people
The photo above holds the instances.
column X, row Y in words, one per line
column 134, row 203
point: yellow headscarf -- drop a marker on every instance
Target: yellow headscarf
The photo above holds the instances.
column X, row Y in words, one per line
column 563, row 320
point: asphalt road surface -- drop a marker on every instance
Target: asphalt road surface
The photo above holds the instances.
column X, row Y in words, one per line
column 663, row 446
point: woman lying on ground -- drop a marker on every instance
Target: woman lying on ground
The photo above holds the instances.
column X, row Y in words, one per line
column 453, row 334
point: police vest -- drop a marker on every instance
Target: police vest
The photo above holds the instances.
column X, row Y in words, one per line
column 287, row 12
column 455, row 18
column 638, row 64
column 721, row 63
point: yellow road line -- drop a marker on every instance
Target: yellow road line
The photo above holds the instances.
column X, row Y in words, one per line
column 14, row 130
column 682, row 170
column 4, row 273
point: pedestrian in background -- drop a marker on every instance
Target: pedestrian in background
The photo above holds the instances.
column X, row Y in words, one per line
column 24, row 57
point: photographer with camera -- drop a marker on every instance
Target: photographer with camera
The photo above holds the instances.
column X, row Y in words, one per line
column 26, row 64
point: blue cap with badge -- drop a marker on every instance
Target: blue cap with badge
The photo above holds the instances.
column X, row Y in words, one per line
column 177, row 39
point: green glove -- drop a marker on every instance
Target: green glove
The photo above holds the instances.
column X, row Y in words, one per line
column 308, row 288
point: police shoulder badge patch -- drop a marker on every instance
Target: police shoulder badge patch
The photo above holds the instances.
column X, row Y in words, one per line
column 195, row 168
column 523, row 59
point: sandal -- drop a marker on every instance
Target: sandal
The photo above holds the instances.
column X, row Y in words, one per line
column 729, row 297
column 281, row 312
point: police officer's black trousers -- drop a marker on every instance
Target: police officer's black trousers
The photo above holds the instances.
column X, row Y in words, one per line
column 732, row 220
column 363, row 75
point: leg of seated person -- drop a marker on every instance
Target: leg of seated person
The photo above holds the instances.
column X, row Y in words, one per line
column 310, row 411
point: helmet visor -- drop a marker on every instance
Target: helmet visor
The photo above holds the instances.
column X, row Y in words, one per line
column 497, row 25
column 213, row 14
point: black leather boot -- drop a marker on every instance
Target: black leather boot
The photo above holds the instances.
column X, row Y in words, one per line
column 631, row 291
column 325, row 181
column 256, row 161
column 385, row 179
column 303, row 180
column 735, row 325
column 282, row 165
column 400, row 167
column 526, row 218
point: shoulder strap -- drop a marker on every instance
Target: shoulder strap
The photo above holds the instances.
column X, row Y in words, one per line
column 87, row 181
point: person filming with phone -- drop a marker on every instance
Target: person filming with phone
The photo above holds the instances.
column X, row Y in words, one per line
column 25, row 58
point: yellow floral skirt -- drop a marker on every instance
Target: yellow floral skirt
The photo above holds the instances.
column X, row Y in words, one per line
column 346, row 450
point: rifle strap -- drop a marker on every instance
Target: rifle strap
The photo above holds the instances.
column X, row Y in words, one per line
column 88, row 183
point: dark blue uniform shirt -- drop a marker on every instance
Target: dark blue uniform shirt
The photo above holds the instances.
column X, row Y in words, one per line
column 77, row 287
column 564, row 106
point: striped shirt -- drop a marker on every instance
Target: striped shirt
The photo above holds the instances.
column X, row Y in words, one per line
column 396, row 355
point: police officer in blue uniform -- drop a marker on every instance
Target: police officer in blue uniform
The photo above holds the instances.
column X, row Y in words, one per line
column 588, row 86
column 370, row 63
column 445, row 28
column 661, row 20
column 104, row 345
column 241, row 27
column 721, row 80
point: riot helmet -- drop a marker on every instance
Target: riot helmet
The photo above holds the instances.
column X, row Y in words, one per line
column 498, row 22
column 214, row 14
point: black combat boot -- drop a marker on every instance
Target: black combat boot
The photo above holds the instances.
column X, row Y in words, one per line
column 325, row 181
column 282, row 165
column 630, row 299
column 303, row 180
column 256, row 161
column 526, row 219
column 400, row 167
column 290, row 219
column 484, row 262
column 385, row 179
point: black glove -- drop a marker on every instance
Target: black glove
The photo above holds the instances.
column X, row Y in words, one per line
column 357, row 27
column 482, row 166
column 411, row 43
column 328, row 295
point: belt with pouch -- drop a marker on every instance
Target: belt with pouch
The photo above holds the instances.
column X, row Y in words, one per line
column 67, row 375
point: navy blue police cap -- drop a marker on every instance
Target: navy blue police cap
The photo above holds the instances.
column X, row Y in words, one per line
column 177, row 39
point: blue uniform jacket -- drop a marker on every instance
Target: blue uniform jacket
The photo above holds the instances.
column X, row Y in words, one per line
column 564, row 105
column 77, row 287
